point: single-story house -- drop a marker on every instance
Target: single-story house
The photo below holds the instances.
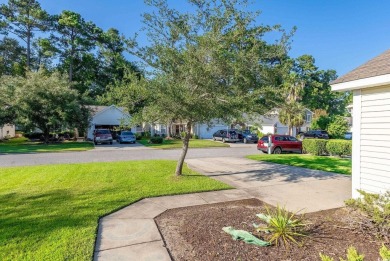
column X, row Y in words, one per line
column 7, row 130
column 370, row 84
column 270, row 124
column 107, row 117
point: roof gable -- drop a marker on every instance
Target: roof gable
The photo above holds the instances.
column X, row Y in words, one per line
column 377, row 66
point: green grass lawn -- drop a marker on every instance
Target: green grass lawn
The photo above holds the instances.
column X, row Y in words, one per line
column 22, row 145
column 332, row 164
column 51, row 212
column 174, row 144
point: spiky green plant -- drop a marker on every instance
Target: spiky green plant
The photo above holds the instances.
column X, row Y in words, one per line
column 353, row 255
column 285, row 227
column 384, row 252
column 325, row 258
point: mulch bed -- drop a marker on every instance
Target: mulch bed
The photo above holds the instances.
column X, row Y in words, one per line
column 195, row 233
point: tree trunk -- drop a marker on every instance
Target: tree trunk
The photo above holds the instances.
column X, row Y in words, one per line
column 186, row 141
column 169, row 129
column 28, row 50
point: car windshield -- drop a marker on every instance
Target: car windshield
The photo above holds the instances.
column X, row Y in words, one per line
column 127, row 133
column 102, row 132
column 324, row 132
column 265, row 138
column 232, row 132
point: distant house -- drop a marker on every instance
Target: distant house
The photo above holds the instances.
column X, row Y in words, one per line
column 370, row 84
column 7, row 130
column 270, row 124
column 107, row 117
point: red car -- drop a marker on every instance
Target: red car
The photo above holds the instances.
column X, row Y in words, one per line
column 280, row 143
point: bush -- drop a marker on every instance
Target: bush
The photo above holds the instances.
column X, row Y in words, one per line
column 320, row 123
column 339, row 147
column 376, row 210
column 156, row 140
column 138, row 136
column 315, row 146
column 338, row 127
column 33, row 135
column 196, row 137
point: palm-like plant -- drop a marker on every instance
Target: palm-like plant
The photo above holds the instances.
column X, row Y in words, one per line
column 283, row 226
column 292, row 115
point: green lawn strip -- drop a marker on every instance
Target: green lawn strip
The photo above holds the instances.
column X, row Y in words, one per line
column 331, row 164
column 174, row 144
column 51, row 212
column 22, row 145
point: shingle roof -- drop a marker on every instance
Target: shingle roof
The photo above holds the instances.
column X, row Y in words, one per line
column 379, row 65
column 96, row 109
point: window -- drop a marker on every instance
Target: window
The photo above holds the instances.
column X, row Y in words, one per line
column 292, row 138
column 308, row 117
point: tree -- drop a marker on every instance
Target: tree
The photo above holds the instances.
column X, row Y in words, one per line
column 320, row 122
column 7, row 101
column 292, row 115
column 212, row 63
column 45, row 101
column 338, row 127
column 12, row 57
column 23, row 18
column 74, row 38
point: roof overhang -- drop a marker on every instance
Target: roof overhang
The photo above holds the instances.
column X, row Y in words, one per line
column 362, row 83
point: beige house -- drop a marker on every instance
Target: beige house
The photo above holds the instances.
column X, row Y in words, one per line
column 7, row 130
column 370, row 84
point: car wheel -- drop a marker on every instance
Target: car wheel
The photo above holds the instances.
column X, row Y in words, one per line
column 277, row 150
column 245, row 140
column 223, row 140
column 95, row 143
column 214, row 139
column 120, row 142
column 110, row 142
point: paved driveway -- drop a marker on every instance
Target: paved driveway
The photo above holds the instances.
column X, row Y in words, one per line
column 296, row 188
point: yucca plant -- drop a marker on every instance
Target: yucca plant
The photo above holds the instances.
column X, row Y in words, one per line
column 285, row 227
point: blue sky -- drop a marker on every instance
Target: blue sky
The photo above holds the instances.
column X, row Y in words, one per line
column 340, row 34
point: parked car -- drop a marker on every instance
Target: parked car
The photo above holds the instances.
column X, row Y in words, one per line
column 247, row 136
column 318, row 134
column 348, row 136
column 226, row 136
column 126, row 136
column 102, row 136
column 280, row 143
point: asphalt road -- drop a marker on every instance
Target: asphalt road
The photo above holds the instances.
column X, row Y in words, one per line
column 116, row 152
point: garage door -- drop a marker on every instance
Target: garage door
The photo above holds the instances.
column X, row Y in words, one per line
column 375, row 140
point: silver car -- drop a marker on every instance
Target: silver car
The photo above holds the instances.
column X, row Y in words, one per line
column 126, row 137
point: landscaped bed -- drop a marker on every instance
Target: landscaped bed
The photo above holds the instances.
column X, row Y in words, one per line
column 22, row 145
column 51, row 212
column 195, row 233
column 175, row 144
column 325, row 163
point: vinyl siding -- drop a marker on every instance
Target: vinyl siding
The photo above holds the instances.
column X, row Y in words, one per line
column 375, row 140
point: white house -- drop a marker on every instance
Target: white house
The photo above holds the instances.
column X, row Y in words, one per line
column 370, row 84
column 7, row 130
column 107, row 117
column 270, row 124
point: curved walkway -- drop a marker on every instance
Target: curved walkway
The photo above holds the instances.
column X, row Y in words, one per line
column 131, row 233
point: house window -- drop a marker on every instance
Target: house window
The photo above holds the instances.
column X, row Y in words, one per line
column 308, row 117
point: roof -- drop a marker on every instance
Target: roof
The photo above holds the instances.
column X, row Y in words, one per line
column 98, row 109
column 377, row 66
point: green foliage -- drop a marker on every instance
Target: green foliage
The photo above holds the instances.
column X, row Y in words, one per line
column 284, row 227
column 325, row 257
column 339, row 147
column 292, row 115
column 315, row 146
column 320, row 123
column 338, row 127
column 156, row 140
column 12, row 57
column 384, row 252
column 376, row 209
column 353, row 255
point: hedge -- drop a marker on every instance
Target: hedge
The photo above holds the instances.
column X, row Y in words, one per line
column 156, row 140
column 315, row 146
column 339, row 147
column 327, row 147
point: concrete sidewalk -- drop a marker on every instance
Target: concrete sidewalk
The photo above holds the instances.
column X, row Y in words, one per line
column 131, row 233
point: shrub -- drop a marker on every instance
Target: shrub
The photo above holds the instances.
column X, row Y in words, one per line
column 138, row 136
column 33, row 135
column 320, row 123
column 376, row 210
column 338, row 127
column 196, row 137
column 339, row 147
column 284, row 227
column 156, row 140
column 315, row 146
